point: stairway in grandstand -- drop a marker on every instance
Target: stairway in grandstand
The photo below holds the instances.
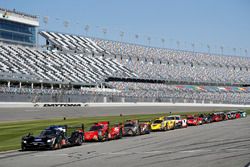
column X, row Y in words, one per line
column 58, row 66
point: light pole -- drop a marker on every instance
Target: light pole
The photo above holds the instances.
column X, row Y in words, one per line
column 208, row 47
column 104, row 31
column 246, row 52
column 45, row 20
column 221, row 48
column 149, row 39
column 163, row 42
column 136, row 37
column 66, row 24
column 193, row 45
column 234, row 49
column 178, row 45
column 121, row 35
column 86, row 29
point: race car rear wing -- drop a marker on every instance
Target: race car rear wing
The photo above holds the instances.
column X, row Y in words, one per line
column 77, row 127
column 144, row 121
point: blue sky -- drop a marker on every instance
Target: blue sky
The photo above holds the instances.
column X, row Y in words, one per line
column 180, row 23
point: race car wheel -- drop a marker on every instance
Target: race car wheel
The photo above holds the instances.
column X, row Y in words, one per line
column 168, row 127
column 79, row 140
column 100, row 138
column 23, row 148
column 106, row 137
column 120, row 134
column 164, row 128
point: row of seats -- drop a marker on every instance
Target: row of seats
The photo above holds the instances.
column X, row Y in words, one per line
column 177, row 91
column 152, row 92
column 168, row 55
column 72, row 42
column 174, row 65
column 57, row 66
column 187, row 73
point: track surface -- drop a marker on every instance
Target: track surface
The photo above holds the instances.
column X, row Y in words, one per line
column 222, row 144
column 12, row 114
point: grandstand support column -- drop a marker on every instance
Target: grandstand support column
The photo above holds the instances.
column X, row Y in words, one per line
column 32, row 85
column 203, row 101
column 41, row 85
column 8, row 84
column 52, row 86
column 123, row 100
column 104, row 99
column 194, row 101
column 20, row 85
column 185, row 101
column 60, row 86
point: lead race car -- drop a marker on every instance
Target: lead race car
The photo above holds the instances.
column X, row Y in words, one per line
column 54, row 137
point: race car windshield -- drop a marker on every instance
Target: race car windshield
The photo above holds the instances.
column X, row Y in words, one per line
column 48, row 133
column 95, row 128
column 157, row 121
column 190, row 117
column 128, row 125
column 170, row 118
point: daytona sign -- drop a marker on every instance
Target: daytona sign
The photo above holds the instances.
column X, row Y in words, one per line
column 62, row 105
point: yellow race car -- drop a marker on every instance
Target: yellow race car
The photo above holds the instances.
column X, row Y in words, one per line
column 162, row 123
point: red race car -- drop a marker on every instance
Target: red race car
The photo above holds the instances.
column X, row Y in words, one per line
column 98, row 132
column 218, row 116
column 193, row 120
column 117, row 131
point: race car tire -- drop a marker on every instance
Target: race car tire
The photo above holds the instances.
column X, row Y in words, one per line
column 165, row 128
column 120, row 134
column 79, row 140
column 106, row 137
column 23, row 148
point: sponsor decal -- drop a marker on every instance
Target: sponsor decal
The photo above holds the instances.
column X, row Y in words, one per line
column 62, row 105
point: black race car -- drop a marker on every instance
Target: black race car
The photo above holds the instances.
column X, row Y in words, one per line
column 54, row 137
column 132, row 128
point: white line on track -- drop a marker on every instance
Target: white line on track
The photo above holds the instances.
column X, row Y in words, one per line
column 31, row 110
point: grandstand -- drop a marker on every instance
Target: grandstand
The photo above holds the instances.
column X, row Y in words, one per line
column 83, row 69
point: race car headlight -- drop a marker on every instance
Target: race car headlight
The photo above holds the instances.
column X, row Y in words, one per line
column 24, row 141
column 50, row 140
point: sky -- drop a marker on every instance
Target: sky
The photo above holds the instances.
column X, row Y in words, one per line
column 182, row 24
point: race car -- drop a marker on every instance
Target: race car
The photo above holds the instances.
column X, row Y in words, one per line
column 206, row 118
column 98, row 132
column 193, row 120
column 117, row 131
column 179, row 121
column 243, row 114
column 54, row 137
column 219, row 116
column 231, row 115
column 145, row 127
column 162, row 123
column 132, row 128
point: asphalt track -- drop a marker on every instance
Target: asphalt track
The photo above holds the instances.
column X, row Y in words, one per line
column 222, row 144
column 13, row 114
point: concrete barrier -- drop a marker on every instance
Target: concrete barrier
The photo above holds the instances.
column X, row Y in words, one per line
column 30, row 105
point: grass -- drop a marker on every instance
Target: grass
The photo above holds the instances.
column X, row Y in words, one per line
column 11, row 132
